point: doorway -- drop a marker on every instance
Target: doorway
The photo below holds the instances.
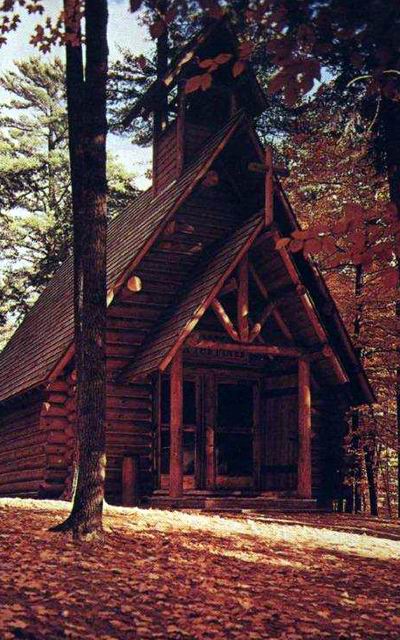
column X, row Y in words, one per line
column 218, row 436
column 234, row 427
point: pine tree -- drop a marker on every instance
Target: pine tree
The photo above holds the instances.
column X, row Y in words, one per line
column 35, row 184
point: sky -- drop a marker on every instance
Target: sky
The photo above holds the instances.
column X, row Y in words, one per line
column 124, row 30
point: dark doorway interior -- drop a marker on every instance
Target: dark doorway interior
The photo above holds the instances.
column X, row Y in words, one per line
column 234, row 433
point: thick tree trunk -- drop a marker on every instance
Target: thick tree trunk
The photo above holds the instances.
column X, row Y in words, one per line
column 390, row 116
column 90, row 283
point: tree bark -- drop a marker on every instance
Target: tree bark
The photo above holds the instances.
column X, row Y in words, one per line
column 85, row 519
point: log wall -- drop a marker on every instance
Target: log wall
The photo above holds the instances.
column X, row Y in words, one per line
column 22, row 449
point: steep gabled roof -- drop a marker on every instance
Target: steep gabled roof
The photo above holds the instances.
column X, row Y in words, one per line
column 48, row 329
column 194, row 303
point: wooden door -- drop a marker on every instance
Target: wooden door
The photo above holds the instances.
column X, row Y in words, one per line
column 281, row 442
column 234, row 434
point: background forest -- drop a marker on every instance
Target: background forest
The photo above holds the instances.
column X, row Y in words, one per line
column 330, row 141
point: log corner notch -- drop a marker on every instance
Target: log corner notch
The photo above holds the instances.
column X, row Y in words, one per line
column 176, row 427
column 304, row 476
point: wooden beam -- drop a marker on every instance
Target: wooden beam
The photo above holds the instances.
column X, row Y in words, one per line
column 310, row 310
column 304, row 479
column 259, row 167
column 258, row 457
column 258, row 326
column 269, row 188
column 210, row 402
column 130, row 481
column 276, row 313
column 243, row 299
column 225, row 320
column 265, row 314
column 267, row 349
column 191, row 324
column 176, row 420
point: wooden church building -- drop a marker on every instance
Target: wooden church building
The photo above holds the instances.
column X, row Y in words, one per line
column 230, row 371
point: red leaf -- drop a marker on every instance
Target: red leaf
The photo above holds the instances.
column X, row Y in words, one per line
column 206, row 80
column 299, row 234
column 193, row 84
column 245, row 50
column 238, row 68
column 206, row 63
column 296, row 245
column 312, row 246
column 222, row 58
column 391, row 279
column 277, row 82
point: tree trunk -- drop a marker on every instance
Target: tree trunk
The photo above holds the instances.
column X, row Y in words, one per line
column 369, row 454
column 390, row 116
column 90, row 276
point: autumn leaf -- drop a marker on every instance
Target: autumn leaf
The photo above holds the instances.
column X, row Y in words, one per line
column 245, row 50
column 296, row 245
column 222, row 58
column 238, row 68
column 206, row 63
column 205, row 81
column 193, row 84
column 312, row 246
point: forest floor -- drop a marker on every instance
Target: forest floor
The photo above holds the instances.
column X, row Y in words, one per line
column 175, row 575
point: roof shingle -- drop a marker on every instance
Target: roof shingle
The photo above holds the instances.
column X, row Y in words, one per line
column 47, row 330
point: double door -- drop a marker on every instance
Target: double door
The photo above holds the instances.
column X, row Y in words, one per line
column 220, row 432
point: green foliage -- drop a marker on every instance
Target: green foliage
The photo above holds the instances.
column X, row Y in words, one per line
column 35, row 189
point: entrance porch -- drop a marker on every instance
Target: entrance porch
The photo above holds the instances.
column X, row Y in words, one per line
column 223, row 441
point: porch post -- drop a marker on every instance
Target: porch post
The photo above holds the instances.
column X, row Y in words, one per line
column 176, row 419
column 304, row 459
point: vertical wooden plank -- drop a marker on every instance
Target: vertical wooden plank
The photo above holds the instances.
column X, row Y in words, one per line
column 157, row 435
column 269, row 188
column 304, row 456
column 176, row 419
column 257, row 438
column 130, row 481
column 210, row 408
column 243, row 299
column 200, row 453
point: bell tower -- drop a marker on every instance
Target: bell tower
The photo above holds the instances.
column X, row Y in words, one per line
column 195, row 96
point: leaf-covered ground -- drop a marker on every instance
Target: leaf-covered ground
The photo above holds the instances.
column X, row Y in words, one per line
column 163, row 574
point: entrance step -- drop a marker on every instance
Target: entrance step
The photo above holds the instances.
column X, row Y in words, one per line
column 258, row 504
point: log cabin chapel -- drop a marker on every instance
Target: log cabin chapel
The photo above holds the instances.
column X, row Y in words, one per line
column 229, row 368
